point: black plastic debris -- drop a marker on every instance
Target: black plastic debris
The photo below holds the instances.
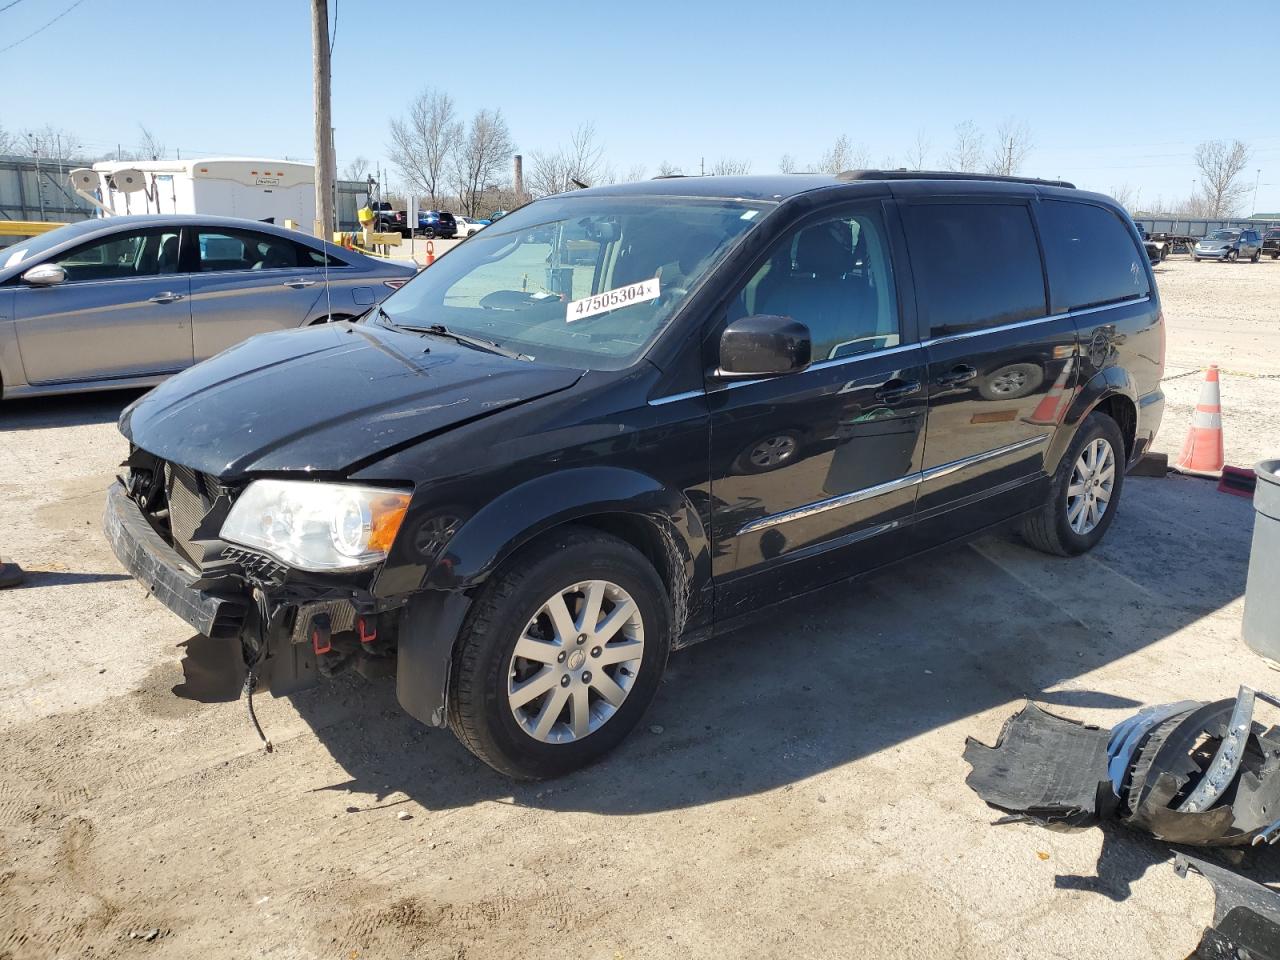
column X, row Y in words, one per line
column 1189, row 772
column 1246, row 915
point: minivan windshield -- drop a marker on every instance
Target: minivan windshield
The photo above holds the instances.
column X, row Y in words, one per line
column 1224, row 235
column 585, row 281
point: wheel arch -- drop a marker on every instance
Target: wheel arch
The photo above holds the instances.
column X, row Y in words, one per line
column 1110, row 391
column 658, row 521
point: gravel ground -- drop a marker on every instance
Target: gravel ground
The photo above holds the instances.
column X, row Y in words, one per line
column 789, row 795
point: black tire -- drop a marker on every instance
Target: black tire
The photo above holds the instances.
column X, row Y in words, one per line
column 429, row 233
column 1048, row 529
column 1257, row 255
column 479, row 712
column 1232, row 256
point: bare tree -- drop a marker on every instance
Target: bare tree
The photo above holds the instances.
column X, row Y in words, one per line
column 728, row 167
column 786, row 163
column 1221, row 165
column 149, row 145
column 635, row 172
column 481, row 157
column 918, row 152
column 8, row 142
column 668, row 169
column 844, row 155
column 422, row 141
column 51, row 143
column 1125, row 194
column 580, row 162
column 1013, row 143
column 966, row 153
column 356, row 169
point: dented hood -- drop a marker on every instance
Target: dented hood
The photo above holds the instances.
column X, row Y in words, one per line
column 325, row 398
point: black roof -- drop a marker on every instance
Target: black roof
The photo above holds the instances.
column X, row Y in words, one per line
column 782, row 186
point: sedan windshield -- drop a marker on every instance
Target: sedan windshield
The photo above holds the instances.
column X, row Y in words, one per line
column 586, row 281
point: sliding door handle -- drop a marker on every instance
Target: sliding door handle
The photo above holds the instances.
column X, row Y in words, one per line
column 167, row 297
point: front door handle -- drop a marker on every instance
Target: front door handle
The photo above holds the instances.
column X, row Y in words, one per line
column 167, row 297
column 299, row 284
column 962, row 373
column 895, row 390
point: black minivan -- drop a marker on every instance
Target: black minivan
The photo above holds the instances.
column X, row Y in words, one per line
column 624, row 419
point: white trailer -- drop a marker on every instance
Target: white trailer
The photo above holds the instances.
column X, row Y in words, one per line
column 249, row 187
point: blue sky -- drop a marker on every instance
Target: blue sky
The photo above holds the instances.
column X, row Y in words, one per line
column 1114, row 93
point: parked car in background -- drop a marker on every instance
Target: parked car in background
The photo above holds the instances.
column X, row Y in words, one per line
column 1271, row 244
column 468, row 226
column 437, row 223
column 1229, row 245
column 532, row 474
column 128, row 301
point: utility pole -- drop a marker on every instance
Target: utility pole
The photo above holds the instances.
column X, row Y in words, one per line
column 1256, row 181
column 323, row 126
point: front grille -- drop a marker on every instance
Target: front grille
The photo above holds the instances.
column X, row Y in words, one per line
column 188, row 504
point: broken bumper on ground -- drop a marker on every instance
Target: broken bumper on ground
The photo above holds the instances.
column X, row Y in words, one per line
column 1189, row 772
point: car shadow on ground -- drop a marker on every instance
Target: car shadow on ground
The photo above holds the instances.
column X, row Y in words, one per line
column 853, row 670
column 72, row 410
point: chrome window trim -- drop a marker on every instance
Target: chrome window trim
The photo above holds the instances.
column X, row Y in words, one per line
column 1030, row 323
column 880, row 489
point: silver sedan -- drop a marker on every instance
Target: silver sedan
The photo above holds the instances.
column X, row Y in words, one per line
column 127, row 301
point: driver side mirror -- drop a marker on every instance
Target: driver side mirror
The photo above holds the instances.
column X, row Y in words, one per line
column 45, row 275
column 763, row 346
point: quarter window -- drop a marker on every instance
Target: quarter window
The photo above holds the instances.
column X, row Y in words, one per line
column 976, row 265
column 1093, row 259
column 836, row 278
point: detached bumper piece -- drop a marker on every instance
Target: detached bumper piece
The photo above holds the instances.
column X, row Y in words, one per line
column 1196, row 773
column 1246, row 915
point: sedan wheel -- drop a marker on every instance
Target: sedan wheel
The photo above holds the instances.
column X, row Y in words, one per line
column 1089, row 492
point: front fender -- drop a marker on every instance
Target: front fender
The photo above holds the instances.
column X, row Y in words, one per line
column 515, row 518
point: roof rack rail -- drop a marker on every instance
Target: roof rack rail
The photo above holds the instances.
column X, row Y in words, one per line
column 669, row 176
column 946, row 175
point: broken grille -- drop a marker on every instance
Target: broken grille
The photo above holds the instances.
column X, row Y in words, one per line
column 187, row 504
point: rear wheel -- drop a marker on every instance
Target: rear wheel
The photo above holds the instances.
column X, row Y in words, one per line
column 1084, row 493
column 560, row 656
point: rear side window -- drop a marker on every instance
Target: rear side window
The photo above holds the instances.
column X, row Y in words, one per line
column 1093, row 259
column 977, row 265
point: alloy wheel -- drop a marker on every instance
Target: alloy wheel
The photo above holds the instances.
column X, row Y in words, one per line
column 576, row 661
column 1092, row 480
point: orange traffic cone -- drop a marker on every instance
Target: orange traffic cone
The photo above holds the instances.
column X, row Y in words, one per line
column 1202, row 452
column 431, row 253
column 1048, row 411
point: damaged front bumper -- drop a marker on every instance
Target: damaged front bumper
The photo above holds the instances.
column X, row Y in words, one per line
column 291, row 628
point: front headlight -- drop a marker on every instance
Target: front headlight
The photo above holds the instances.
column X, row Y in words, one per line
column 317, row 526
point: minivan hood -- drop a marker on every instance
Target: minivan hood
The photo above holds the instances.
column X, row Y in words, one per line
column 325, row 398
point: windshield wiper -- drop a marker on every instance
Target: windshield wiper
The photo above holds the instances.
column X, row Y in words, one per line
column 479, row 343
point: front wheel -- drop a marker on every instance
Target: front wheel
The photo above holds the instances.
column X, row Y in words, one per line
column 1257, row 255
column 1232, row 256
column 1084, row 493
column 560, row 656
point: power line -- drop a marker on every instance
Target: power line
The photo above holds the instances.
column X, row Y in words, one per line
column 14, row 3
column 39, row 29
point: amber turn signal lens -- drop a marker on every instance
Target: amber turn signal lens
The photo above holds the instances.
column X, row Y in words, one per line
column 387, row 513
